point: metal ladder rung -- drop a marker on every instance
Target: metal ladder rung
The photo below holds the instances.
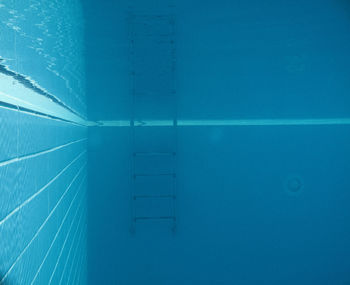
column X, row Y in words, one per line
column 157, row 174
column 155, row 218
column 154, row 153
column 153, row 196
column 154, row 167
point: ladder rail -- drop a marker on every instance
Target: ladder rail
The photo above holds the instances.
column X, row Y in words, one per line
column 135, row 120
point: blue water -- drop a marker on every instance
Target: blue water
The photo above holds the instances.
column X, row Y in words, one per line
column 44, row 41
column 209, row 142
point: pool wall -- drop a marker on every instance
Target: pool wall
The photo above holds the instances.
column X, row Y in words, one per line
column 43, row 159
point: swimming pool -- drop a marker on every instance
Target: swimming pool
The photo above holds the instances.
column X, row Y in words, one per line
column 174, row 142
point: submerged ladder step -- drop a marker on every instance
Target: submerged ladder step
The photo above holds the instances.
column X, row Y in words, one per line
column 154, row 150
column 155, row 174
column 154, row 153
column 155, row 218
column 153, row 196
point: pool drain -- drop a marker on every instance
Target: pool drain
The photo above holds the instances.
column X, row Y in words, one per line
column 294, row 185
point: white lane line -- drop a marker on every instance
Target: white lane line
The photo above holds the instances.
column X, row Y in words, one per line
column 78, row 260
column 14, row 211
column 14, row 93
column 41, row 227
column 69, row 253
column 82, row 266
column 238, row 122
column 121, row 123
column 266, row 122
column 28, row 156
column 64, row 246
column 59, row 230
column 40, row 115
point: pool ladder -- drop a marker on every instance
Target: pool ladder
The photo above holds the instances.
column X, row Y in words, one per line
column 154, row 149
column 154, row 181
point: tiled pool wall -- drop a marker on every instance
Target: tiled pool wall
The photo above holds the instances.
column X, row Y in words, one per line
column 43, row 158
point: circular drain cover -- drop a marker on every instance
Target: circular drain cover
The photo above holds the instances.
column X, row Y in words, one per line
column 294, row 184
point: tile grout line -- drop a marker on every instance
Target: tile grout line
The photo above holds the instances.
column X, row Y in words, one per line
column 74, row 260
column 70, row 249
column 59, row 229
column 40, row 191
column 41, row 227
column 36, row 154
column 78, row 266
column 63, row 247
